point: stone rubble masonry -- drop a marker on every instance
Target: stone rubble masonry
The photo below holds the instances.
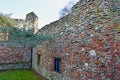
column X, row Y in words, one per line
column 87, row 40
column 30, row 23
column 14, row 56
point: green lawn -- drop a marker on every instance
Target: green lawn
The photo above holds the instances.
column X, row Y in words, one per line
column 18, row 75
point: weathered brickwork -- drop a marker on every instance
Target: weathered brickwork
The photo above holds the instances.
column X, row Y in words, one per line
column 86, row 45
column 14, row 56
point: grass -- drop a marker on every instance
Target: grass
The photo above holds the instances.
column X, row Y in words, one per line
column 18, row 75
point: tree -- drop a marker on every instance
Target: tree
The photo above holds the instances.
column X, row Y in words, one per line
column 5, row 21
column 14, row 34
column 67, row 9
column 5, row 27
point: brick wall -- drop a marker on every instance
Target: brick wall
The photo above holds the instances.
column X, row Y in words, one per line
column 14, row 56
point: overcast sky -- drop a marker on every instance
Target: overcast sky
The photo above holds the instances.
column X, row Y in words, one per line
column 47, row 10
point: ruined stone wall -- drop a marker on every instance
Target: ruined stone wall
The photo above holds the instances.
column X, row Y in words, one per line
column 14, row 56
column 87, row 41
column 29, row 23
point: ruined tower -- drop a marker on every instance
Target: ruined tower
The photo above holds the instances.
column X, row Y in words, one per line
column 32, row 21
column 29, row 23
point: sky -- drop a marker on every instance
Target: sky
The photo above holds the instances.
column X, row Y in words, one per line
column 46, row 10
